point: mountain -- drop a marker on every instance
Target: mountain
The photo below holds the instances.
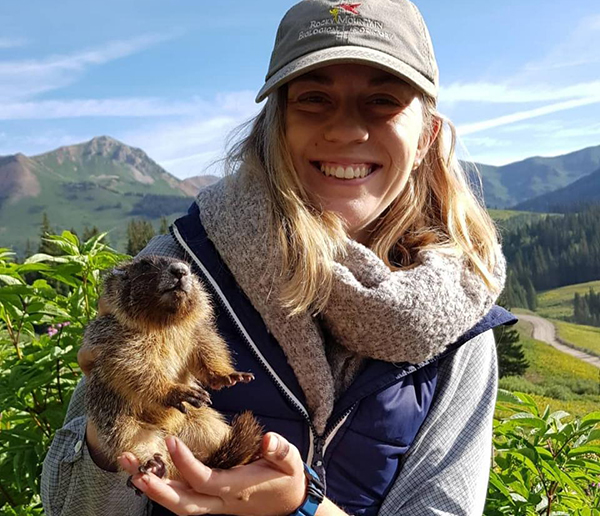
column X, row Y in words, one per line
column 583, row 191
column 512, row 184
column 195, row 183
column 101, row 183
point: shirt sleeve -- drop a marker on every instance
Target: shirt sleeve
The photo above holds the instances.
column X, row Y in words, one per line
column 446, row 471
column 72, row 484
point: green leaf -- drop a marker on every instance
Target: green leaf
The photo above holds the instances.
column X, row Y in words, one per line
column 585, row 450
column 41, row 257
column 590, row 419
column 10, row 280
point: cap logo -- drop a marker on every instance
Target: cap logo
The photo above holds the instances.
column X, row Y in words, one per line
column 345, row 20
column 350, row 8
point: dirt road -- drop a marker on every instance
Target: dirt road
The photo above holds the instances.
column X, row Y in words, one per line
column 545, row 331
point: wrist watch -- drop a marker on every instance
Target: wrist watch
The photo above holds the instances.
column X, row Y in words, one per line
column 315, row 492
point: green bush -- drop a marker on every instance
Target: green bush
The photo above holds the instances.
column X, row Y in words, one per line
column 542, row 464
column 518, row 383
column 40, row 330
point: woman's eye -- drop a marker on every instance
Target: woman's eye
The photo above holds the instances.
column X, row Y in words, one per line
column 383, row 101
column 312, row 99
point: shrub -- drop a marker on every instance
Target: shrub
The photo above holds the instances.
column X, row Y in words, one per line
column 40, row 330
column 542, row 464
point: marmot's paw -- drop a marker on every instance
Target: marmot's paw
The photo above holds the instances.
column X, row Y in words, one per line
column 194, row 395
column 155, row 465
column 218, row 382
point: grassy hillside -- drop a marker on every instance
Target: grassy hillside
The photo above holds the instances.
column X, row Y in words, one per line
column 583, row 337
column 558, row 303
column 514, row 183
column 101, row 183
column 556, row 378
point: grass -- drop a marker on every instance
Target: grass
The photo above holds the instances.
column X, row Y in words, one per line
column 558, row 303
column 586, row 338
column 555, row 378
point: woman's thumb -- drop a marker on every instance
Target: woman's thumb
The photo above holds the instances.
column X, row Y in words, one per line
column 279, row 452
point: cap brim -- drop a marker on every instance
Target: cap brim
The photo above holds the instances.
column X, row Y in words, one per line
column 347, row 54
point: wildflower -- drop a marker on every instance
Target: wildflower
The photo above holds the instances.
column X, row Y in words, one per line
column 66, row 323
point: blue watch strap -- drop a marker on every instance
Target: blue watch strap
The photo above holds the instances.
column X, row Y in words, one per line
column 315, row 492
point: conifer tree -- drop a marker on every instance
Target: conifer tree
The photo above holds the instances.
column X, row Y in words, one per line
column 46, row 229
column 139, row 233
column 164, row 226
column 511, row 357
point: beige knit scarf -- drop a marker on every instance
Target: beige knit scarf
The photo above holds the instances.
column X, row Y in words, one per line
column 401, row 316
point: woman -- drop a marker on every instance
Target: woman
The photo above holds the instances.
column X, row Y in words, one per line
column 352, row 270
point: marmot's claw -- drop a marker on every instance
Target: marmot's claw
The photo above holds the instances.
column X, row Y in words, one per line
column 155, row 465
column 131, row 485
column 218, row 382
column 195, row 396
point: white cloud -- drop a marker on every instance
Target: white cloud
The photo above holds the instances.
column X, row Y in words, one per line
column 503, row 93
column 12, row 42
column 189, row 146
column 116, row 107
column 26, row 78
column 465, row 129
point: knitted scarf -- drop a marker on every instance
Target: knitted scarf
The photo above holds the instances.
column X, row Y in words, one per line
column 401, row 316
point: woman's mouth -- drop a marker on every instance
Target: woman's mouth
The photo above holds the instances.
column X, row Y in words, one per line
column 344, row 170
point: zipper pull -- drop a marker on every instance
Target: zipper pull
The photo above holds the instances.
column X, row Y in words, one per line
column 317, row 462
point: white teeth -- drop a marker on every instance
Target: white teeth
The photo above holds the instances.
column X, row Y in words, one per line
column 348, row 172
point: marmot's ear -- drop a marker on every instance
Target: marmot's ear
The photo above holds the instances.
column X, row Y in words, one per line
column 103, row 307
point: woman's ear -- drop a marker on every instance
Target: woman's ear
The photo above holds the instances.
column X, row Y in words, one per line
column 427, row 139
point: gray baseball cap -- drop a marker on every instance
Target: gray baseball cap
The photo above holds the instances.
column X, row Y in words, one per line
column 387, row 34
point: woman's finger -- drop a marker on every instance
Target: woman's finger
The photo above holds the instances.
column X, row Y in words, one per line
column 174, row 497
column 128, row 462
column 201, row 478
column 281, row 454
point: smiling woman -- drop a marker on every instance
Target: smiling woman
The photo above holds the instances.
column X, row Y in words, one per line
column 354, row 134
column 354, row 273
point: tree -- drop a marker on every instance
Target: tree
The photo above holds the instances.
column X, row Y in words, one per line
column 511, row 357
column 164, row 226
column 89, row 233
column 45, row 246
column 139, row 233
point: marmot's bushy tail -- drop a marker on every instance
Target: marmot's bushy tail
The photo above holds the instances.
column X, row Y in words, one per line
column 242, row 446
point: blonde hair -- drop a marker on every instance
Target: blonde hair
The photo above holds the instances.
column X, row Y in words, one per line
column 437, row 209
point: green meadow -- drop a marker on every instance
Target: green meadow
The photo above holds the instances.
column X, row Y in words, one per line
column 558, row 303
column 555, row 378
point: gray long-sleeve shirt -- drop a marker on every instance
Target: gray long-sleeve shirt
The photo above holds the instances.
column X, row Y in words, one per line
column 444, row 473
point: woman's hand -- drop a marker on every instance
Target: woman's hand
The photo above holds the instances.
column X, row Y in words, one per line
column 271, row 486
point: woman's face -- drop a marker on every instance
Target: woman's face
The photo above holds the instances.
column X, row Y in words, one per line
column 354, row 133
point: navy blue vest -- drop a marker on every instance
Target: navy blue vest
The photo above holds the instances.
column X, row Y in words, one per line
column 373, row 423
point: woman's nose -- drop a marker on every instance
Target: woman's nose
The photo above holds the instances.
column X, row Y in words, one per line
column 346, row 125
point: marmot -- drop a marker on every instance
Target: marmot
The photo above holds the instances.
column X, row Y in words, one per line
column 156, row 351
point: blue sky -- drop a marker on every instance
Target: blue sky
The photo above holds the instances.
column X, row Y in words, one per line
column 519, row 78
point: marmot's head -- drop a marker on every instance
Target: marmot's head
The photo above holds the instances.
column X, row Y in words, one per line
column 153, row 292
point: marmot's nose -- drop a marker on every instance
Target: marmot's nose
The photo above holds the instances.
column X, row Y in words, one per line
column 179, row 269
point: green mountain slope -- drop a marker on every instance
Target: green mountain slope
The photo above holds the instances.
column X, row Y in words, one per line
column 517, row 182
column 100, row 183
column 584, row 190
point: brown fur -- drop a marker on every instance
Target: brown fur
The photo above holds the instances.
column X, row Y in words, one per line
column 156, row 350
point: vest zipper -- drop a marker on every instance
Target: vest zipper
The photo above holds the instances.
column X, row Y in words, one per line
column 214, row 287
